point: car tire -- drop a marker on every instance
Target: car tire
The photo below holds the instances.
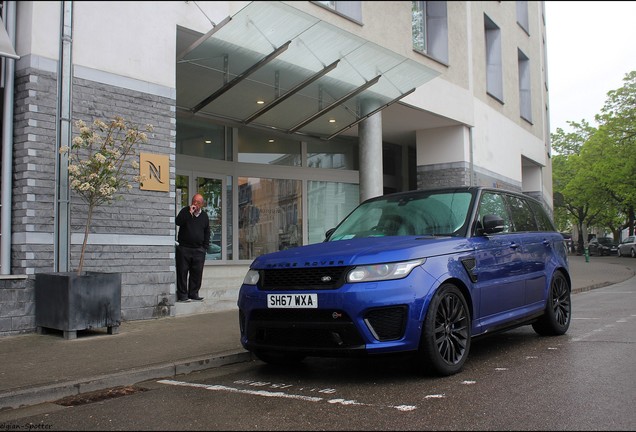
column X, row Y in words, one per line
column 279, row 358
column 632, row 252
column 618, row 253
column 446, row 332
column 558, row 311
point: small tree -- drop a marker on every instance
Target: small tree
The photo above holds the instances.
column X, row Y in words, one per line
column 96, row 164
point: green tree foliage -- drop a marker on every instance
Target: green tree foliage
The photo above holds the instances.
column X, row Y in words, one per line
column 618, row 123
column 594, row 169
column 580, row 196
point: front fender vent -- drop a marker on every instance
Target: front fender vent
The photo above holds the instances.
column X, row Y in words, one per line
column 469, row 266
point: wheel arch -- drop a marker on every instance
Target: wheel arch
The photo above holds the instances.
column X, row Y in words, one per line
column 463, row 289
column 565, row 273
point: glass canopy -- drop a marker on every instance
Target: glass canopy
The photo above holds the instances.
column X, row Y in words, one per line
column 274, row 66
column 6, row 46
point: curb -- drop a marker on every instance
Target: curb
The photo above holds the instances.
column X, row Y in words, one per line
column 23, row 397
column 593, row 287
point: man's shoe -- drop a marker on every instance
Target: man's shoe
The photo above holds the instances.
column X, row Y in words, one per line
column 197, row 298
column 183, row 300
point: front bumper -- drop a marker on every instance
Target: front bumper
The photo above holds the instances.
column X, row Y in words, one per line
column 362, row 318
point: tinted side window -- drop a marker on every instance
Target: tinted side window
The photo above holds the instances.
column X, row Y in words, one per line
column 522, row 216
column 493, row 204
column 543, row 220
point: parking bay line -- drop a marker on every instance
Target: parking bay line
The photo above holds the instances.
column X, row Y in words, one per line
column 265, row 393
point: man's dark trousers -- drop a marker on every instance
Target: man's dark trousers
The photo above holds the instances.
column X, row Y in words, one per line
column 189, row 260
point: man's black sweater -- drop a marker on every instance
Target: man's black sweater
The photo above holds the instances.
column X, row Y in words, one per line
column 194, row 231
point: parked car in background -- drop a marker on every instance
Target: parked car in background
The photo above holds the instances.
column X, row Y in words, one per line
column 627, row 247
column 420, row 271
column 602, row 246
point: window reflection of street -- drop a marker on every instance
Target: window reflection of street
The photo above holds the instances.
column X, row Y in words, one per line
column 270, row 212
column 211, row 189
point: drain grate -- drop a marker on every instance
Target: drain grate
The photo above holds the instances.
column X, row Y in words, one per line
column 98, row 395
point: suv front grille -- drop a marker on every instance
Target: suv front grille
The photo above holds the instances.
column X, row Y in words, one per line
column 313, row 278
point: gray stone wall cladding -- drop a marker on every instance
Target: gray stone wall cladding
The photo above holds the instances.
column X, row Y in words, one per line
column 452, row 175
column 147, row 270
column 443, row 177
column 431, row 177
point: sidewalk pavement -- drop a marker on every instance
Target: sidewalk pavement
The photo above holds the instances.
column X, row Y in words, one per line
column 38, row 368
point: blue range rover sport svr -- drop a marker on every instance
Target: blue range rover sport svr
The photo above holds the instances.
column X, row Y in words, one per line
column 421, row 271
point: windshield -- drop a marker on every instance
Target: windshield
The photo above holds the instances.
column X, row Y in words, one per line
column 606, row 241
column 438, row 213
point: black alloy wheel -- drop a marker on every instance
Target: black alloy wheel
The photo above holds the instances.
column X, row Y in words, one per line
column 446, row 333
column 558, row 311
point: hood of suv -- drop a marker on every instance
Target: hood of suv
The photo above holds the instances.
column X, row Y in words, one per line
column 361, row 251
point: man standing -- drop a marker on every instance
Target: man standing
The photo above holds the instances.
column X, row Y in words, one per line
column 194, row 240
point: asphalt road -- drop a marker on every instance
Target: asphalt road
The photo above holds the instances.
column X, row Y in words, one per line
column 585, row 380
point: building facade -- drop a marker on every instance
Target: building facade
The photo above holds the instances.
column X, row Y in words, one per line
column 284, row 115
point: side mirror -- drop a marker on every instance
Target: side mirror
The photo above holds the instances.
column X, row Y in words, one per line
column 492, row 224
column 328, row 233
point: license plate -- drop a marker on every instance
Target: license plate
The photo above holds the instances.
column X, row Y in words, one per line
column 292, row 300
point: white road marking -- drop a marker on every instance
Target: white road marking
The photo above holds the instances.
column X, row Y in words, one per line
column 404, row 407
column 266, row 393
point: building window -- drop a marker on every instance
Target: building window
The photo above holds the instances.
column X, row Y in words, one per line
column 261, row 148
column 525, row 100
column 349, row 9
column 430, row 29
column 333, row 155
column 270, row 215
column 494, row 66
column 522, row 16
column 182, row 192
column 212, row 191
column 196, row 137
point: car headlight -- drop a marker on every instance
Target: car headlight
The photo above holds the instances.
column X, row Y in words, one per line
column 251, row 278
column 379, row 272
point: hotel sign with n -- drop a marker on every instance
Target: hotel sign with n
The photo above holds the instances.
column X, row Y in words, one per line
column 154, row 169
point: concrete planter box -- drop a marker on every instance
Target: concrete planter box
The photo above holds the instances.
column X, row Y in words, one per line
column 70, row 302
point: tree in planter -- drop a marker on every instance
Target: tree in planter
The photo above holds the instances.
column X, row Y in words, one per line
column 97, row 159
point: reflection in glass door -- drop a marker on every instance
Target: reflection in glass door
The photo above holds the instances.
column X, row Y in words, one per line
column 182, row 197
column 212, row 191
